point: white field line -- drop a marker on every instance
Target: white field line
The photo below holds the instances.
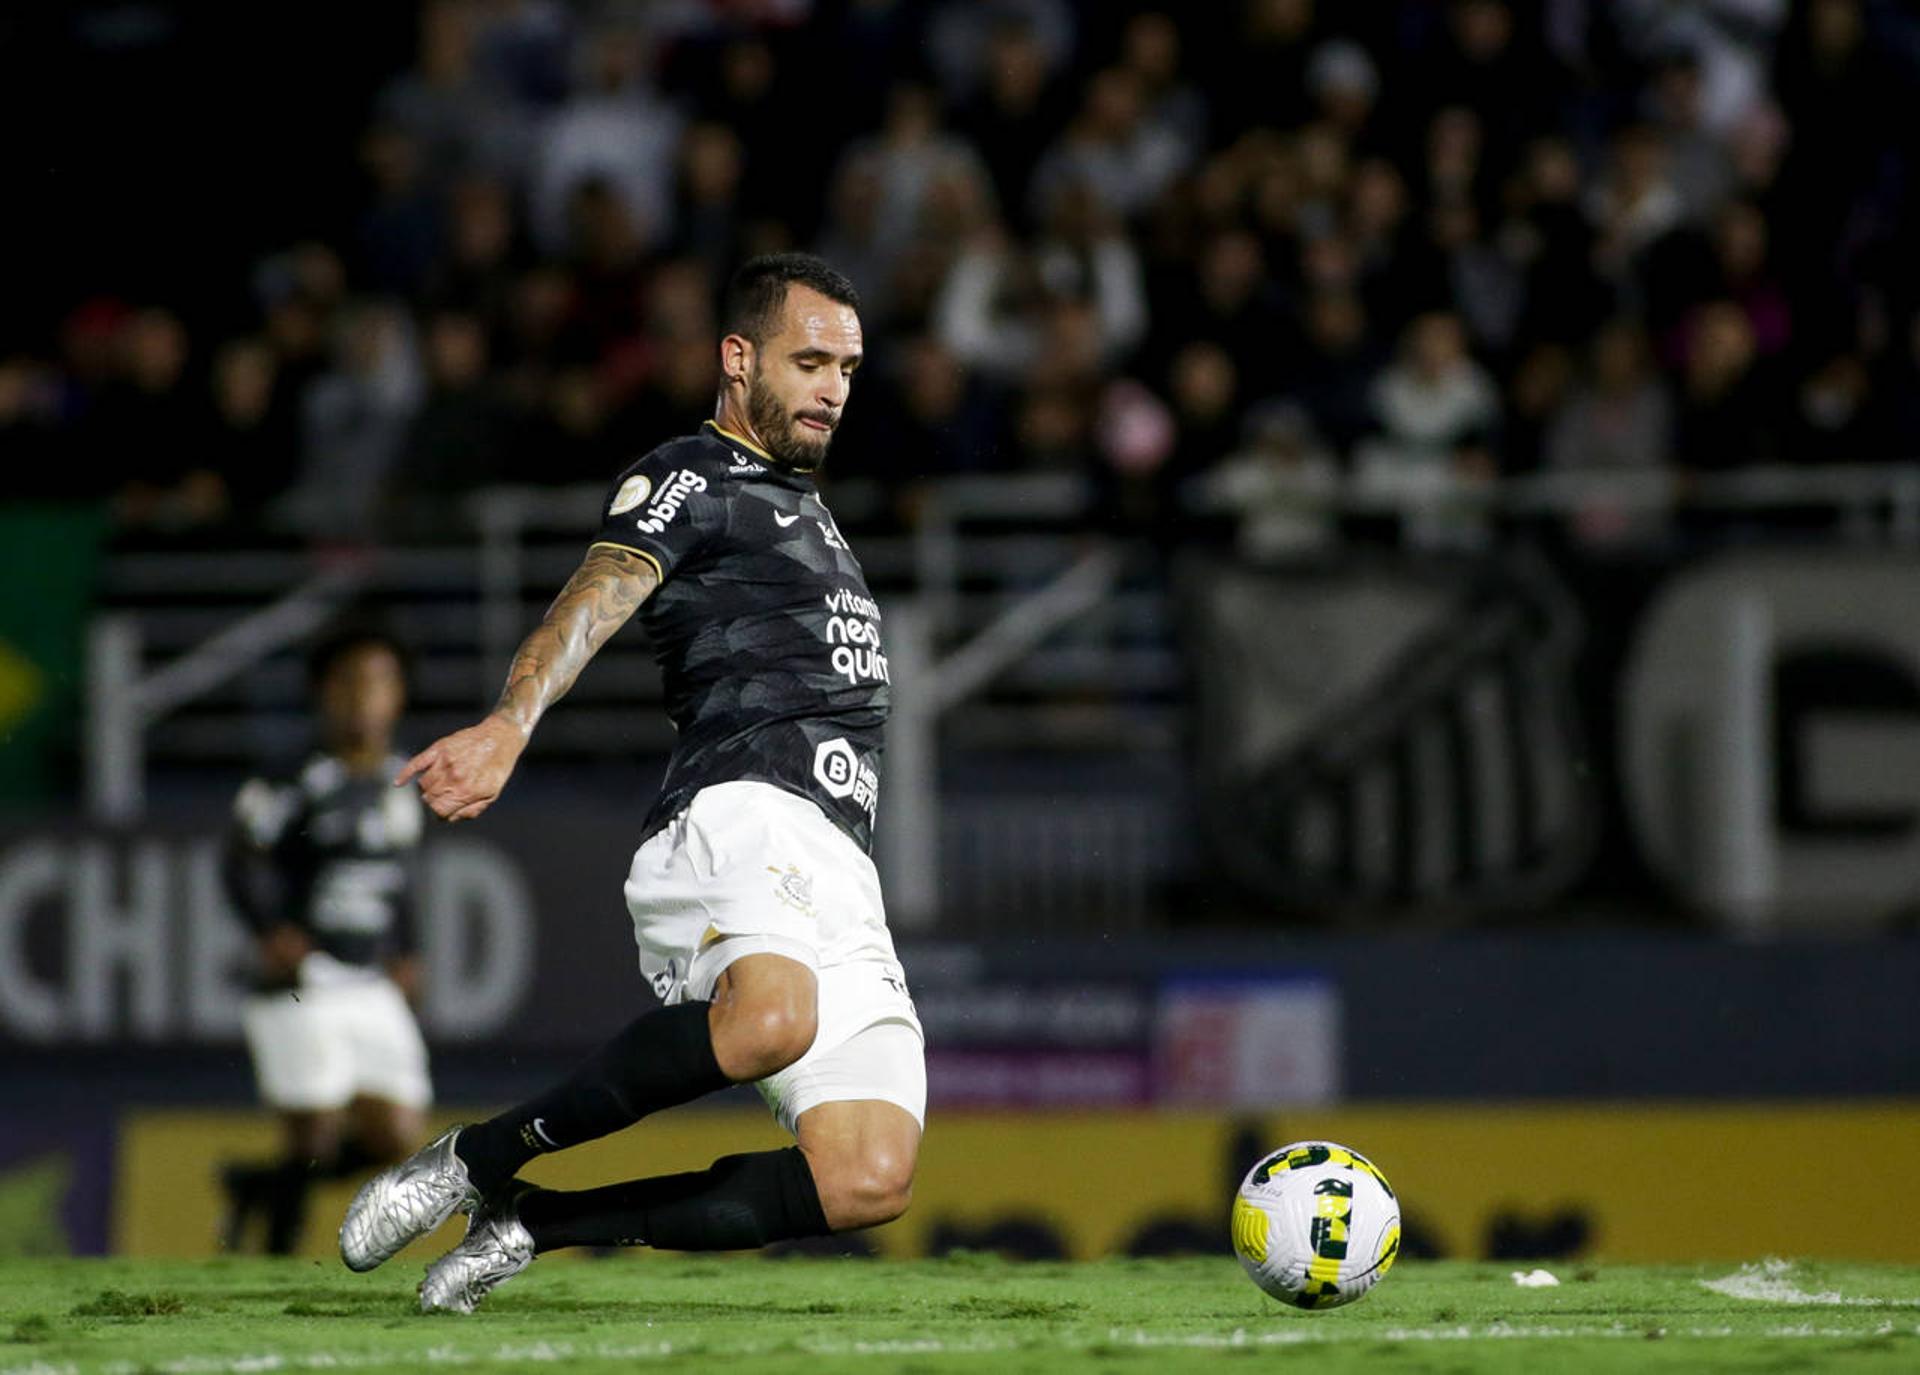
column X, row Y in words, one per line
column 1770, row 1282
column 523, row 1354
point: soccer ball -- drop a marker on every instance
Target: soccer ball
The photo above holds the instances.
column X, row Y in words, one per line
column 1316, row 1225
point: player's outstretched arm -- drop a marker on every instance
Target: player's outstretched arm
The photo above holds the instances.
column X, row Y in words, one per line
column 461, row 774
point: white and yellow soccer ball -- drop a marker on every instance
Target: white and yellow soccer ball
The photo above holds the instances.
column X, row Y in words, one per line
column 1316, row 1225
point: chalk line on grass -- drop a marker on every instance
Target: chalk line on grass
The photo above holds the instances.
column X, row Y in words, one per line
column 1770, row 1282
column 543, row 1353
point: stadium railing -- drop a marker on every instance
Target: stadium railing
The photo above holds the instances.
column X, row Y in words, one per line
column 1035, row 632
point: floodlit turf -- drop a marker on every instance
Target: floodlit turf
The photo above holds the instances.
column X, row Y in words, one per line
column 964, row 1313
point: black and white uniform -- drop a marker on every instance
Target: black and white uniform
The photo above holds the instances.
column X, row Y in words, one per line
column 769, row 647
column 332, row 854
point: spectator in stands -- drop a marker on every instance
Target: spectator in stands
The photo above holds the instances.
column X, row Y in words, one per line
column 398, row 235
column 1114, row 147
column 1636, row 202
column 1280, row 485
column 1724, row 418
column 1618, row 420
column 1203, row 389
column 254, row 444
column 615, row 131
column 476, row 266
column 1083, row 254
column 1699, row 155
column 783, row 182
column 1053, row 430
column 1834, row 418
column 1151, row 51
column 1486, row 284
column 1548, row 233
column 609, row 272
column 1438, row 414
column 676, row 392
column 1229, row 298
column 1537, row 392
column 905, row 164
column 708, row 224
column 1277, row 185
column 1619, row 415
column 1345, row 85
column 1489, row 65
column 354, row 424
column 460, row 122
column 1333, row 378
column 148, row 428
column 1435, row 404
column 959, row 36
column 463, row 436
column 1265, row 63
column 1016, row 110
column 935, row 409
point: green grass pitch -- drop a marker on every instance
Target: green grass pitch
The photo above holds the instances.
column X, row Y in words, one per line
column 963, row 1313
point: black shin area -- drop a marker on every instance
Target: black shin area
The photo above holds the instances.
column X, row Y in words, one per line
column 657, row 1061
column 741, row 1202
column 349, row 1160
column 286, row 1205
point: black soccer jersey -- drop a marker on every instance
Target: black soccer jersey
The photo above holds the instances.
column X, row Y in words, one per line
column 767, row 638
column 331, row 853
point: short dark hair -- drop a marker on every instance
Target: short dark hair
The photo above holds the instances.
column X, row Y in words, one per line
column 759, row 289
column 343, row 639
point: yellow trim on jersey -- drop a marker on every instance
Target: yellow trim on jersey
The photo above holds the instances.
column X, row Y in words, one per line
column 718, row 428
column 660, row 572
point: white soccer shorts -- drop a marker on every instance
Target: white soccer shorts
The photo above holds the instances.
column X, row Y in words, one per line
column 318, row 1048
column 749, row 869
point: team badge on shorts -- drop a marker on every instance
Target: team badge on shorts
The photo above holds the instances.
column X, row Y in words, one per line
column 793, row 888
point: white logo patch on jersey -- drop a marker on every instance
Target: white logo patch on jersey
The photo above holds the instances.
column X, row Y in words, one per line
column 784, row 521
column 838, row 767
column 672, row 497
column 632, row 492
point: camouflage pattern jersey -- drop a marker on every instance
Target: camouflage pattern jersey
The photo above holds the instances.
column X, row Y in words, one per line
column 767, row 638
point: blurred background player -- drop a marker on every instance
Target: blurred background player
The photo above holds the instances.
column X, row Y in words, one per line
column 320, row 868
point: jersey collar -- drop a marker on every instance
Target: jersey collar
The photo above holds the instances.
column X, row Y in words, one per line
column 741, row 443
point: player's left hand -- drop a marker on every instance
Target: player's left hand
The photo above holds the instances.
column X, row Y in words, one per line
column 461, row 774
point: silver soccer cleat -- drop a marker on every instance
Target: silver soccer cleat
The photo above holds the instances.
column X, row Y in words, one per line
column 497, row 1247
column 405, row 1202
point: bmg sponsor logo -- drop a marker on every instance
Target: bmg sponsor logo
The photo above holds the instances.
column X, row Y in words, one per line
column 673, row 496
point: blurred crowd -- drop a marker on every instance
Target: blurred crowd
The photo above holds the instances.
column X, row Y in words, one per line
column 1224, row 249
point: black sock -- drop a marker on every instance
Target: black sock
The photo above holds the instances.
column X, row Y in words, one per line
column 286, row 1206
column 741, row 1202
column 349, row 1160
column 659, row 1060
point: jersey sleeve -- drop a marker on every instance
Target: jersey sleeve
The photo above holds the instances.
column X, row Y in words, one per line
column 249, row 869
column 665, row 507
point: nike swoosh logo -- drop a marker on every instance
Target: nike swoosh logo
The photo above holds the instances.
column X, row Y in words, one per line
column 540, row 1130
column 784, row 521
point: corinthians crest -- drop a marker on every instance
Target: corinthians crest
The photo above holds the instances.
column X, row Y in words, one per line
column 793, row 888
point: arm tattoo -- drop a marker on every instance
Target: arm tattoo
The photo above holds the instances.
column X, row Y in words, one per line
column 603, row 593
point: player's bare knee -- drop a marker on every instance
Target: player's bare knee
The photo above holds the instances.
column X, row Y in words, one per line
column 871, row 1199
column 865, row 1190
column 763, row 1037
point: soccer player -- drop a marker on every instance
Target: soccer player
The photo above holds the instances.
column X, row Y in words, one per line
column 755, row 906
column 319, row 867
